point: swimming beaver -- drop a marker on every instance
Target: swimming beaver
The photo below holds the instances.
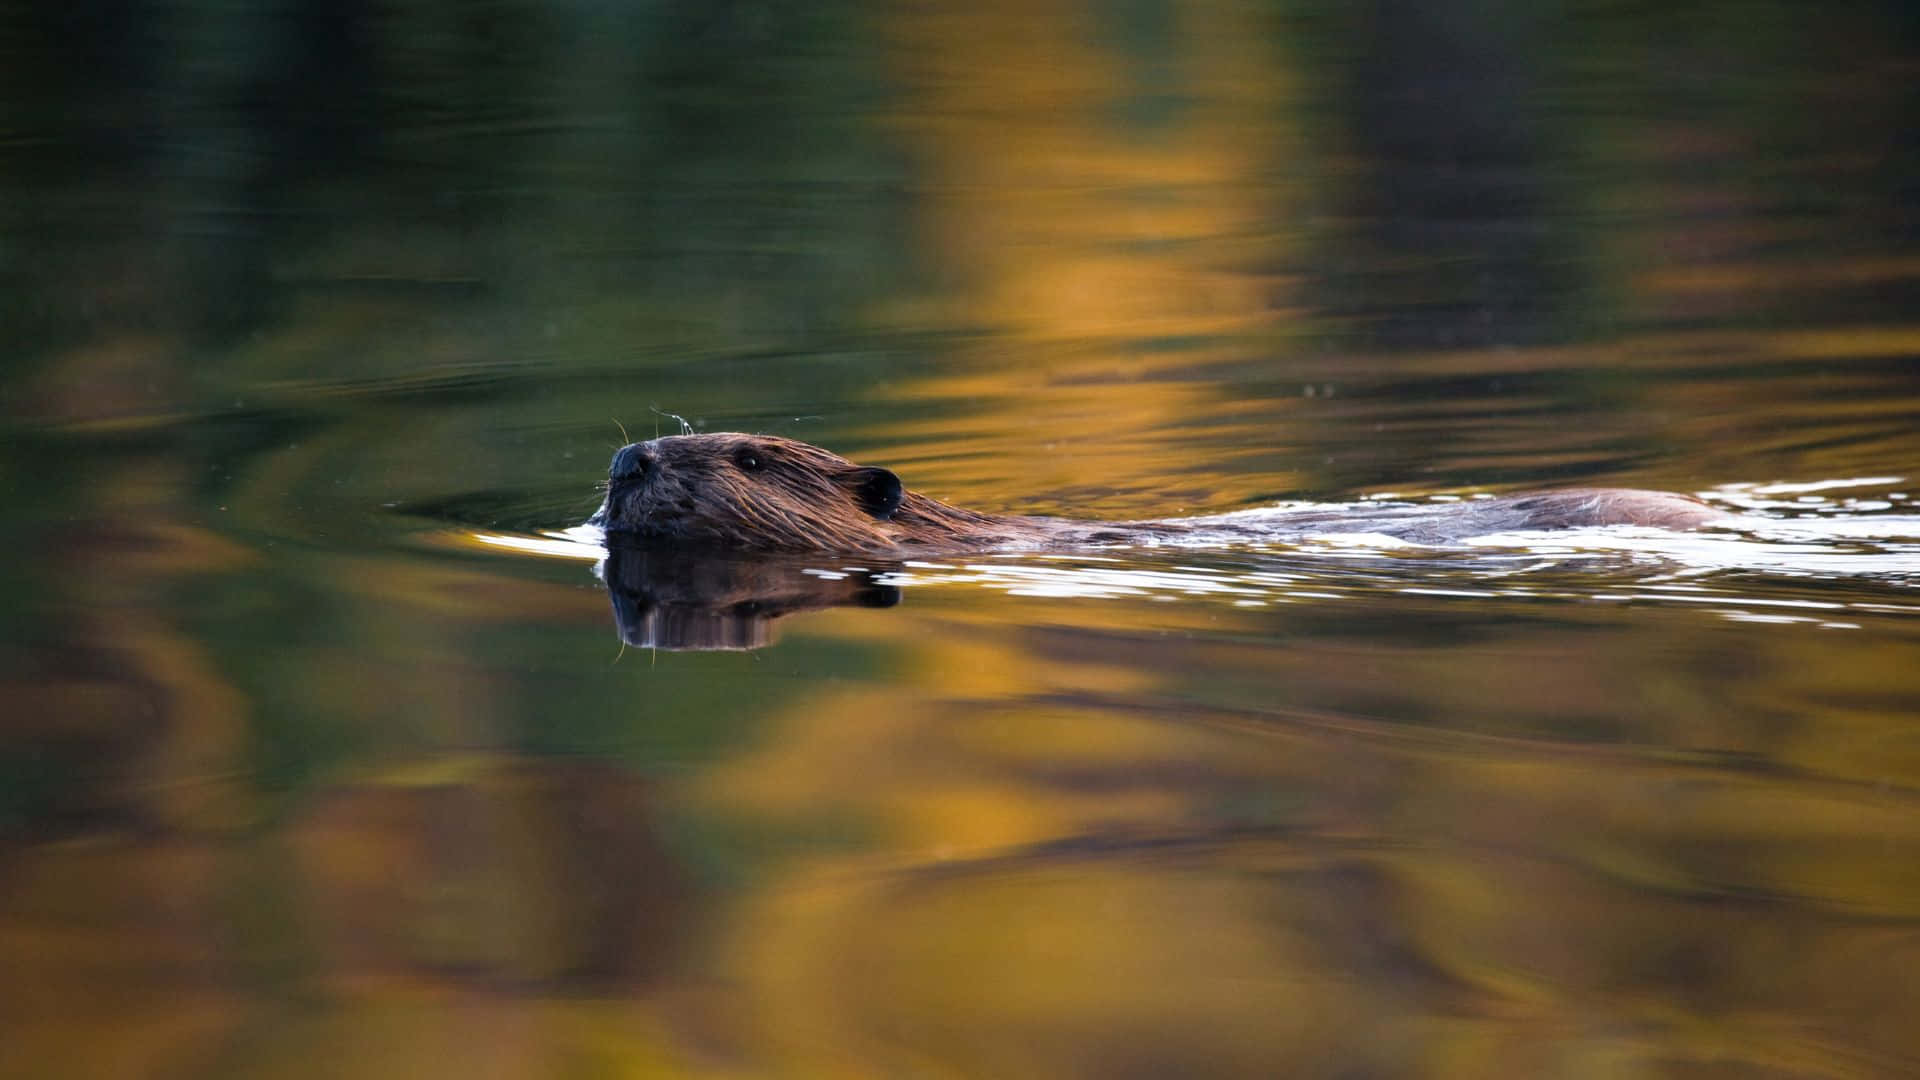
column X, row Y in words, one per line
column 731, row 491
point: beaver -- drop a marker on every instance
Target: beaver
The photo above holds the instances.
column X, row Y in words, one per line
column 730, row 491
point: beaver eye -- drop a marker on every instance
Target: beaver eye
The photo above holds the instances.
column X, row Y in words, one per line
column 747, row 460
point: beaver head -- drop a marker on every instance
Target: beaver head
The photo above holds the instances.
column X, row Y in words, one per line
column 730, row 491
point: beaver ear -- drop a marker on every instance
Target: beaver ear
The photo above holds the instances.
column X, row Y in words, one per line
column 877, row 491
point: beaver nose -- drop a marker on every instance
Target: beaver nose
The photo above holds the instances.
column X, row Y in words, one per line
column 631, row 462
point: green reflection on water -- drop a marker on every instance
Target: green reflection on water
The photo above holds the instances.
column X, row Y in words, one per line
column 288, row 787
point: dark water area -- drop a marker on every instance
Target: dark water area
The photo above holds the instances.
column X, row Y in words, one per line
column 329, row 746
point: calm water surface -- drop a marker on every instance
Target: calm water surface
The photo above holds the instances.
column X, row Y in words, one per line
column 328, row 748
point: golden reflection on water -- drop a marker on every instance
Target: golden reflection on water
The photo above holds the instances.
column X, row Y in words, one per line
column 1106, row 835
column 1042, row 203
column 293, row 783
column 1049, row 813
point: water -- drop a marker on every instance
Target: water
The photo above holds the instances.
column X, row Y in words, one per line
column 330, row 746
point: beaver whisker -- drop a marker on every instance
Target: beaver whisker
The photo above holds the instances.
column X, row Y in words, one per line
column 685, row 428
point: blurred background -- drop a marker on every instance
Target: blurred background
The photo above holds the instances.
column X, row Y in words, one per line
column 303, row 302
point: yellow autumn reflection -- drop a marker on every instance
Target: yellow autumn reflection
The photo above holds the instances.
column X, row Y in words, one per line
column 1212, row 888
column 324, row 752
column 1078, row 235
column 1056, row 219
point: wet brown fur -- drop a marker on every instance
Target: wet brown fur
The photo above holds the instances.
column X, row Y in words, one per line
column 737, row 492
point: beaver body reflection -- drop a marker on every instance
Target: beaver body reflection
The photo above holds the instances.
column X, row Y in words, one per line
column 680, row 599
column 736, row 492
